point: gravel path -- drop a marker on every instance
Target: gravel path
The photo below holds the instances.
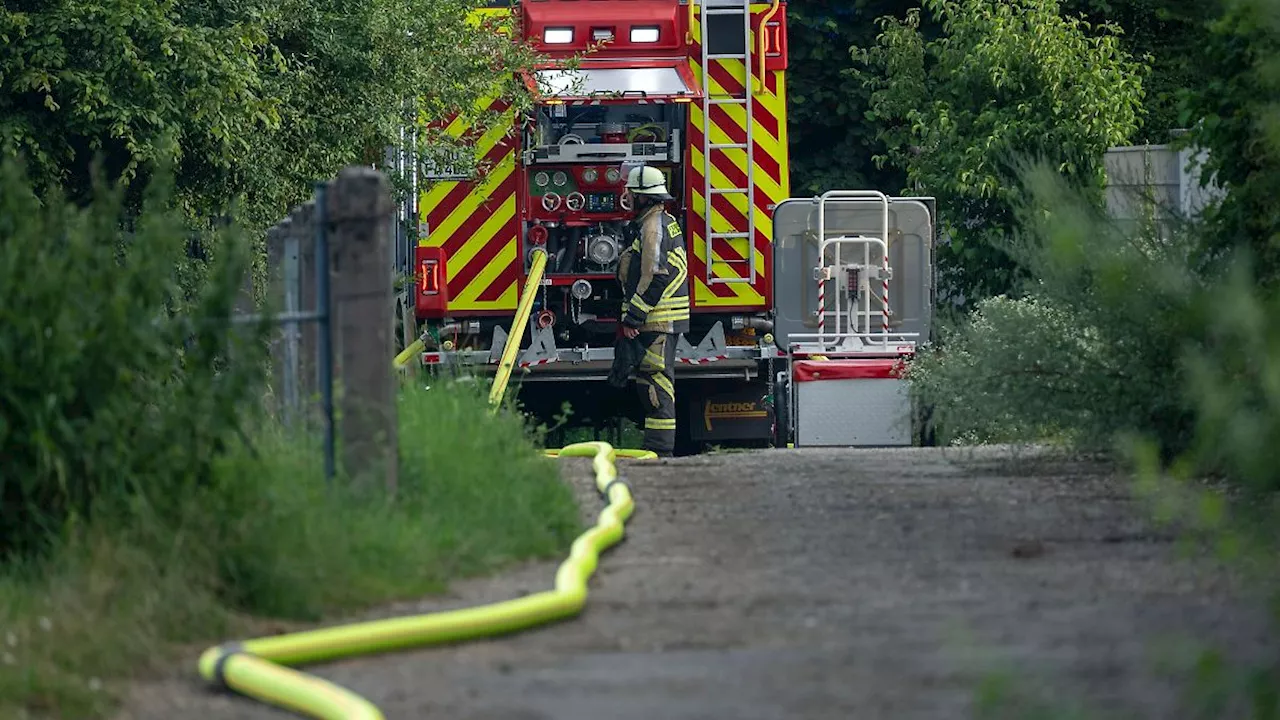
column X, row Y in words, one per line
column 820, row 584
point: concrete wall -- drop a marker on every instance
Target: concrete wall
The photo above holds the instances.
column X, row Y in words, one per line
column 1156, row 181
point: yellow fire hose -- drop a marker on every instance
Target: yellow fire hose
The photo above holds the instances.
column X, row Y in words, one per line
column 517, row 327
column 512, row 349
column 256, row 667
column 403, row 358
column 523, row 310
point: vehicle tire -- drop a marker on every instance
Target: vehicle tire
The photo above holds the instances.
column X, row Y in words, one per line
column 781, row 414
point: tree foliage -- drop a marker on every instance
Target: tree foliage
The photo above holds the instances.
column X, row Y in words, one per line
column 1172, row 34
column 1234, row 113
column 1004, row 79
column 832, row 138
column 260, row 97
column 112, row 78
column 1127, row 331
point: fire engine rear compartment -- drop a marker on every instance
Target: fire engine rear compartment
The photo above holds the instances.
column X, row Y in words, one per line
column 575, row 161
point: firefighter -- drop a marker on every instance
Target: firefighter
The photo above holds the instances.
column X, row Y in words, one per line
column 654, row 275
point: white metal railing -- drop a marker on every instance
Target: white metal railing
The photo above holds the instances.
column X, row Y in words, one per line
column 859, row 319
column 822, row 273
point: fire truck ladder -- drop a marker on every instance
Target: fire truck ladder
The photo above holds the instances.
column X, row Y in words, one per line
column 740, row 8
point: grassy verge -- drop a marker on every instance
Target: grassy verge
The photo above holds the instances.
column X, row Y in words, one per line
column 267, row 540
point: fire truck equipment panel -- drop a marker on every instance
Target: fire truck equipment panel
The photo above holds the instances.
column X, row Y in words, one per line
column 606, row 134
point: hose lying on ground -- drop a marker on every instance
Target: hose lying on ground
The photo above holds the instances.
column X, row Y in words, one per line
column 256, row 667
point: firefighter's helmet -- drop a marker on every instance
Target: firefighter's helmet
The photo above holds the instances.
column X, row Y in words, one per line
column 646, row 180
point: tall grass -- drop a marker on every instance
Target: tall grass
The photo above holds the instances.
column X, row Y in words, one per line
column 270, row 539
column 149, row 502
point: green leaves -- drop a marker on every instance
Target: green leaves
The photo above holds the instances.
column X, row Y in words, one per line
column 1002, row 82
column 1235, row 116
column 114, row 382
column 1091, row 350
column 831, row 128
column 263, row 97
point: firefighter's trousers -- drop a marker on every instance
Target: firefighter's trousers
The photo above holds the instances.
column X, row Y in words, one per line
column 656, row 381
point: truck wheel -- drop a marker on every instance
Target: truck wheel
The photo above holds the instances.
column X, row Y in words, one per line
column 685, row 444
column 781, row 415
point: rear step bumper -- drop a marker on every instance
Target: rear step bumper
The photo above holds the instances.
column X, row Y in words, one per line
column 543, row 361
column 594, row 370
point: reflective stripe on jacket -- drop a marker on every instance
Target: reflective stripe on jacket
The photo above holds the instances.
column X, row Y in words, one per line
column 654, row 272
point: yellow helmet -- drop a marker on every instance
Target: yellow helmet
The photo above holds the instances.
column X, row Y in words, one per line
column 646, row 180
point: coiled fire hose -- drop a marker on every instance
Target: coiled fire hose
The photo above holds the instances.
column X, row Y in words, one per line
column 258, row 668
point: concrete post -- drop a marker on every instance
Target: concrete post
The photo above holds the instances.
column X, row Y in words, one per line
column 359, row 211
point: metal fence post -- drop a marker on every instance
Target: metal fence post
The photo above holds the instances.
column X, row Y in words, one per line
column 307, row 335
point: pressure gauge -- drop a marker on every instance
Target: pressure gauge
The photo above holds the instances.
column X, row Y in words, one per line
column 560, row 177
column 613, row 175
column 590, row 175
column 541, row 179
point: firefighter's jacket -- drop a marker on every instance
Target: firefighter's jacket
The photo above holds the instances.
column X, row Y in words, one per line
column 654, row 272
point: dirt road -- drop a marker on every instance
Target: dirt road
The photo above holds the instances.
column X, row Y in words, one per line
column 820, row 584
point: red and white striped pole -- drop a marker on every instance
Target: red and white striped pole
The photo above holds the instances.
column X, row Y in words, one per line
column 885, row 296
column 822, row 306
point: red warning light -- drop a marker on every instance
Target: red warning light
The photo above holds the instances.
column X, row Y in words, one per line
column 433, row 292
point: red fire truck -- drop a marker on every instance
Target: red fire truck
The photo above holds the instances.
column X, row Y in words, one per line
column 695, row 89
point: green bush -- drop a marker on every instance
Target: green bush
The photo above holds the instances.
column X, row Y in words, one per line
column 1093, row 346
column 115, row 378
column 1141, row 331
column 150, row 501
column 1161, row 345
column 955, row 111
column 268, row 538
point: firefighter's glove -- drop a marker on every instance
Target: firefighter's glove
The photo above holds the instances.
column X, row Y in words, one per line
column 627, row 356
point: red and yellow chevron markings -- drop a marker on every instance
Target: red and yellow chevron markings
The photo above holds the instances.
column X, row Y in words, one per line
column 476, row 221
column 729, row 170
